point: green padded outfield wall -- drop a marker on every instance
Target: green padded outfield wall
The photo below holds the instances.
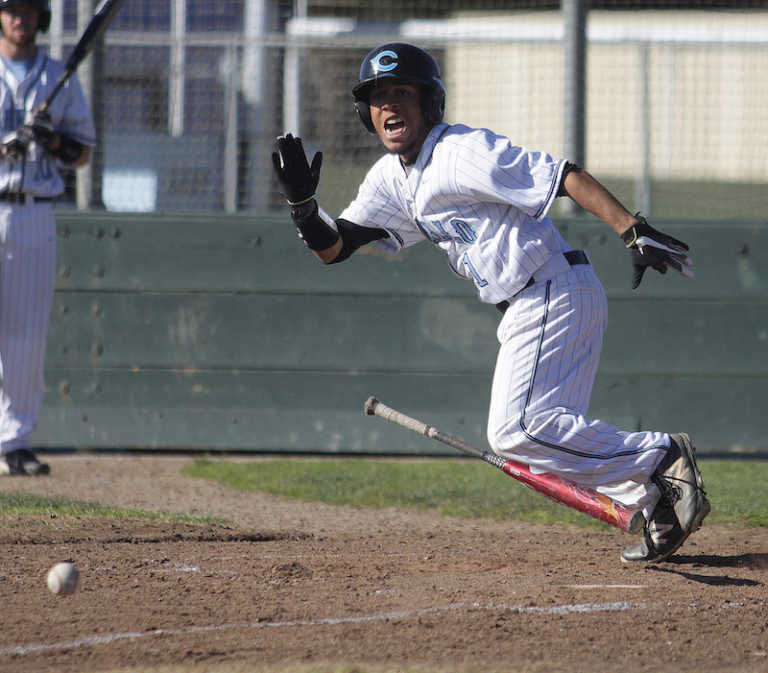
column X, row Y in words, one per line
column 224, row 333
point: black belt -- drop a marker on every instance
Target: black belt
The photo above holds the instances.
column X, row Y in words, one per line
column 573, row 257
column 27, row 199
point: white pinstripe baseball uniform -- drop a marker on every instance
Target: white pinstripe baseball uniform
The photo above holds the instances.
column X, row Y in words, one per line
column 484, row 203
column 28, row 239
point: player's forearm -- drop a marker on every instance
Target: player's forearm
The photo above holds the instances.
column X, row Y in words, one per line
column 314, row 228
column 351, row 238
column 331, row 242
column 328, row 255
column 593, row 197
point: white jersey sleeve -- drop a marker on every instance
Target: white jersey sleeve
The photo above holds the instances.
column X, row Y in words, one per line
column 488, row 168
column 381, row 203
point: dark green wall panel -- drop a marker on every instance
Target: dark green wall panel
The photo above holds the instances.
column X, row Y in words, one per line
column 269, row 411
column 312, row 411
column 245, row 253
column 406, row 333
column 721, row 413
column 231, row 253
column 326, row 332
column 224, row 333
column 730, row 259
column 686, row 337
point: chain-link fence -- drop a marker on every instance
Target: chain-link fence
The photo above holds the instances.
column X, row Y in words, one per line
column 189, row 95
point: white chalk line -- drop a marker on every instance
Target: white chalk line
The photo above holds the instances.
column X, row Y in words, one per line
column 106, row 639
column 605, row 586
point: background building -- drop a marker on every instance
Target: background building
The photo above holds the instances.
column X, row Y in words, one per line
column 190, row 95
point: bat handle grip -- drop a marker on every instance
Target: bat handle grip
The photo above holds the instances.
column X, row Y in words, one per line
column 375, row 408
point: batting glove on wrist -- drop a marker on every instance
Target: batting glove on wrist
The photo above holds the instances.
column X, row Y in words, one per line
column 16, row 144
column 298, row 180
column 42, row 130
column 39, row 130
column 649, row 247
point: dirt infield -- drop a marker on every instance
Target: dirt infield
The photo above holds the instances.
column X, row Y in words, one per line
column 291, row 586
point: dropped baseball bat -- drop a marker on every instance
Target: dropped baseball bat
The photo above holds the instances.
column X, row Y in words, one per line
column 102, row 17
column 561, row 490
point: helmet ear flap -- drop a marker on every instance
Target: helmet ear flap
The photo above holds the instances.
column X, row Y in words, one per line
column 364, row 112
column 433, row 107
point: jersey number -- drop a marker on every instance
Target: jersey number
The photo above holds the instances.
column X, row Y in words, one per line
column 464, row 233
column 479, row 281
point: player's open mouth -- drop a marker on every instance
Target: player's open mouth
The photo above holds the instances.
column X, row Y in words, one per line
column 394, row 126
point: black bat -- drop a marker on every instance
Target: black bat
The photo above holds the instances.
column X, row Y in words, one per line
column 102, row 17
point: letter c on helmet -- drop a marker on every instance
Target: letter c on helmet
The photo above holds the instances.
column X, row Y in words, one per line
column 384, row 61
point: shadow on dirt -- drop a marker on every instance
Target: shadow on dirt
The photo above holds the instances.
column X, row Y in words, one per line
column 749, row 561
column 745, row 561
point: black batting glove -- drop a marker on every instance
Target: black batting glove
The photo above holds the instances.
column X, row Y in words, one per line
column 16, row 144
column 298, row 180
column 649, row 247
column 41, row 128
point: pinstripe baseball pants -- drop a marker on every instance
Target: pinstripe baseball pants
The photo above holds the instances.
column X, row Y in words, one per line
column 27, row 275
column 550, row 341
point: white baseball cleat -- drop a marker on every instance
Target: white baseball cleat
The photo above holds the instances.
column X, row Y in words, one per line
column 681, row 508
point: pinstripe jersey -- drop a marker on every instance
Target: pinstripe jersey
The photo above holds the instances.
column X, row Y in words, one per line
column 28, row 241
column 481, row 200
column 37, row 173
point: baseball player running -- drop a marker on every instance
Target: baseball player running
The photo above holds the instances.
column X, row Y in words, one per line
column 34, row 145
column 484, row 203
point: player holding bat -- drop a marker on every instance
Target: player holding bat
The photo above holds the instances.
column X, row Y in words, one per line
column 35, row 145
column 484, row 203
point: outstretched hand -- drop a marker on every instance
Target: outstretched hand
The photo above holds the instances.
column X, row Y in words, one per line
column 298, row 179
column 651, row 248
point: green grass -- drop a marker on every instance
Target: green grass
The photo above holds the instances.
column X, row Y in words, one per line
column 26, row 503
column 736, row 489
column 463, row 488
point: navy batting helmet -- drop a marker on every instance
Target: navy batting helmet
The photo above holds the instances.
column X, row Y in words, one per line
column 42, row 5
column 404, row 62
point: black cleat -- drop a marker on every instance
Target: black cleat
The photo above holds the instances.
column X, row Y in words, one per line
column 22, row 462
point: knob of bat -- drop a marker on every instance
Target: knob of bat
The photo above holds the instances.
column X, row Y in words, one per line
column 370, row 406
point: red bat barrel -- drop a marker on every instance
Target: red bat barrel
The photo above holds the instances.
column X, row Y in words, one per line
column 567, row 493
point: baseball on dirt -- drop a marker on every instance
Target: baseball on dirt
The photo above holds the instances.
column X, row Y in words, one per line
column 62, row 578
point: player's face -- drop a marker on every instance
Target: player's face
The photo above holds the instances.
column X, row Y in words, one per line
column 397, row 117
column 19, row 23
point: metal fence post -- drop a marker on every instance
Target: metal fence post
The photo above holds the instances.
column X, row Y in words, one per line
column 643, row 185
column 177, row 68
column 88, row 176
column 574, row 94
column 231, row 129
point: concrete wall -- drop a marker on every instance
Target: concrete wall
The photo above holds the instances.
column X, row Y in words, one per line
column 214, row 332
